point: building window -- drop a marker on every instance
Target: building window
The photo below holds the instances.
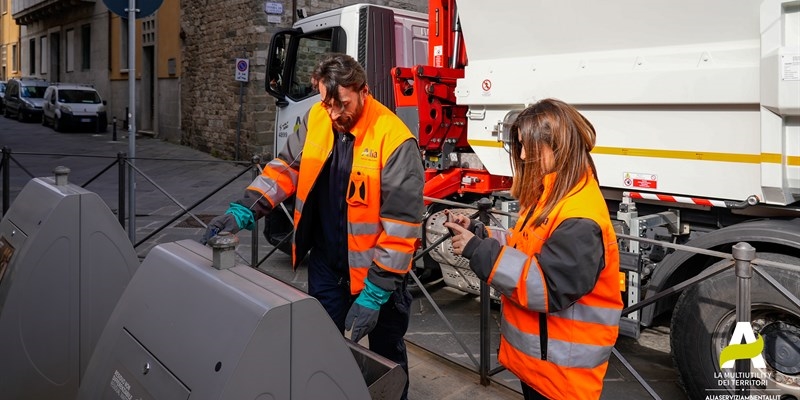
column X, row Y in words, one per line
column 86, row 47
column 32, row 56
column 43, row 49
column 123, row 45
column 14, row 58
column 70, row 49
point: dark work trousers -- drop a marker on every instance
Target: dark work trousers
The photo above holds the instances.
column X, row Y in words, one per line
column 529, row 393
column 332, row 289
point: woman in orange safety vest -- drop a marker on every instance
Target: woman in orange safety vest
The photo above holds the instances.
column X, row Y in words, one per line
column 558, row 269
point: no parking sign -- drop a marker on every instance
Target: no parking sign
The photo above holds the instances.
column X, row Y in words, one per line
column 242, row 69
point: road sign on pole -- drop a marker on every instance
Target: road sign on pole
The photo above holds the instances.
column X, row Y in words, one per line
column 242, row 69
column 144, row 8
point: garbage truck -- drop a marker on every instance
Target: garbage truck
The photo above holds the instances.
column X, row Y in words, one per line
column 696, row 105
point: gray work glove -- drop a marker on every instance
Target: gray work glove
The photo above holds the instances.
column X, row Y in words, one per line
column 361, row 321
column 363, row 314
column 221, row 223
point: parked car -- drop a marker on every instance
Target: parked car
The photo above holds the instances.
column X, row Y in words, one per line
column 2, row 94
column 70, row 105
column 24, row 98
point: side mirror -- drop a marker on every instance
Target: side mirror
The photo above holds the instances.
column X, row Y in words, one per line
column 105, row 102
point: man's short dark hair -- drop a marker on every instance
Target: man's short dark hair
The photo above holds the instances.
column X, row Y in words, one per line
column 339, row 70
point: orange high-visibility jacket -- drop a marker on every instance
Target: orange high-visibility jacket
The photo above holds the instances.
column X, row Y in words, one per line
column 376, row 235
column 579, row 338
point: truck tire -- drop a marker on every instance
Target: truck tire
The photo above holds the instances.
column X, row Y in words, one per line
column 705, row 316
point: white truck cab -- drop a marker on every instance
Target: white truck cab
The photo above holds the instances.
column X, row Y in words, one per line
column 378, row 37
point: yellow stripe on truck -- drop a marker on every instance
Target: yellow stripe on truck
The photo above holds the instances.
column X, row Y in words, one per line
column 767, row 158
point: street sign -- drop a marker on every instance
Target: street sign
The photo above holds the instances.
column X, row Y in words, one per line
column 146, row 7
column 242, row 69
column 271, row 7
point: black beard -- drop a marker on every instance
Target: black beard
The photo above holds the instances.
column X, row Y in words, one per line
column 343, row 125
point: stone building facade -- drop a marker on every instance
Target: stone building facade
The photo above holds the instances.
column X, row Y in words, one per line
column 215, row 34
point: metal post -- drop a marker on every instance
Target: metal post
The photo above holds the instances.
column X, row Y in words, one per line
column 743, row 253
column 239, row 122
column 484, row 205
column 132, row 119
column 5, row 164
column 254, row 235
column 114, row 129
column 121, row 188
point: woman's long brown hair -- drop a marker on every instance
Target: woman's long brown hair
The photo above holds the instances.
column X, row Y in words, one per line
column 569, row 134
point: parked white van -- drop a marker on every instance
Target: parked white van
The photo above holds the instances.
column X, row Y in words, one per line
column 70, row 105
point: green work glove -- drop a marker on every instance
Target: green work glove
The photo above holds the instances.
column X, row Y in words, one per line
column 237, row 217
column 363, row 314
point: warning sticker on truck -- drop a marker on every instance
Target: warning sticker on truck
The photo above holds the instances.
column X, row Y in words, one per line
column 639, row 180
column 790, row 67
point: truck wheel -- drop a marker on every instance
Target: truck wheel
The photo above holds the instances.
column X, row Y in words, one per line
column 704, row 319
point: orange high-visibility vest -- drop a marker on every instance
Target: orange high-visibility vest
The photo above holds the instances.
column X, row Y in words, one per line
column 387, row 242
column 579, row 339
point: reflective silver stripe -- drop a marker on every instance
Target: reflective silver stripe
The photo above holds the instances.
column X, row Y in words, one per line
column 535, row 289
column 392, row 259
column 392, row 229
column 298, row 205
column 270, row 189
column 360, row 259
column 404, row 231
column 278, row 165
column 562, row 353
column 596, row 315
column 363, row 228
column 508, row 270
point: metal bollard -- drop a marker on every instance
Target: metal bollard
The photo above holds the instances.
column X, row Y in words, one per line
column 114, row 129
column 744, row 254
column 62, row 173
column 224, row 250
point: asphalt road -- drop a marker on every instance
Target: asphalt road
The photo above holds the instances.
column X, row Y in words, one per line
column 172, row 178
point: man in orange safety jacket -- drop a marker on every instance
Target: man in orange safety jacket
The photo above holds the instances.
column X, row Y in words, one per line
column 357, row 175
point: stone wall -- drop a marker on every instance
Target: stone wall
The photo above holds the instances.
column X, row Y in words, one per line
column 214, row 34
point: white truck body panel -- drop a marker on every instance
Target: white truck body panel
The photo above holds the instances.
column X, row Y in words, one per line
column 702, row 97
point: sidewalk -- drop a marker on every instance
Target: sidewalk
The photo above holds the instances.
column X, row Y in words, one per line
column 439, row 369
